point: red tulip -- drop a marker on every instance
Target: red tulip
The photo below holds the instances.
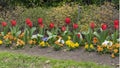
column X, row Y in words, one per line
column 116, row 24
column 40, row 21
column 51, row 25
column 104, row 26
column 92, row 25
column 30, row 25
column 75, row 26
column 67, row 20
column 13, row 23
column 4, row 24
column 63, row 28
column 41, row 25
column 78, row 35
column 28, row 21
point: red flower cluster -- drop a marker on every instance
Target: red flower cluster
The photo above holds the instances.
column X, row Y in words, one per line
column 13, row 22
column 29, row 23
column 40, row 22
column 116, row 24
column 4, row 24
column 104, row 26
column 75, row 26
column 51, row 25
column 67, row 20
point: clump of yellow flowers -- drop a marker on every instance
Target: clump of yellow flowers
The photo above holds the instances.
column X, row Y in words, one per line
column 1, row 42
column 44, row 44
column 89, row 47
column 71, row 44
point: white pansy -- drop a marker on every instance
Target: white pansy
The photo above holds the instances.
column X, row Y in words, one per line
column 107, row 43
column 34, row 36
column 62, row 41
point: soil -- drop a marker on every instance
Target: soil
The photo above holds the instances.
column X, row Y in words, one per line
column 77, row 55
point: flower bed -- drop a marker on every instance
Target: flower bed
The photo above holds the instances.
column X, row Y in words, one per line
column 67, row 37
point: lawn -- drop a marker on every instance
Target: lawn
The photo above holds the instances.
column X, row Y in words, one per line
column 13, row 60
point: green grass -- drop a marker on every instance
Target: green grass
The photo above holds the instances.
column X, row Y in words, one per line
column 13, row 60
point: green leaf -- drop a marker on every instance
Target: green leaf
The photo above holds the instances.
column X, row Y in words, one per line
column 39, row 35
column 18, row 33
column 96, row 34
column 33, row 29
column 2, row 33
column 50, row 37
column 49, row 33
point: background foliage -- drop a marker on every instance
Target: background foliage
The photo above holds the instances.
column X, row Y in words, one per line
column 35, row 3
column 80, row 11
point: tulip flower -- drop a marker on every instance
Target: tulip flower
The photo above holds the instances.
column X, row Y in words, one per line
column 67, row 20
column 63, row 28
column 30, row 25
column 51, row 25
column 115, row 35
column 13, row 23
column 75, row 26
column 4, row 24
column 5, row 30
column 104, row 26
column 40, row 21
column 92, row 25
column 116, row 24
column 28, row 21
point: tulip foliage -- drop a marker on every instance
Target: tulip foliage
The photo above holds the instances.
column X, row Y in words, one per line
column 14, row 29
column 103, row 35
column 68, row 36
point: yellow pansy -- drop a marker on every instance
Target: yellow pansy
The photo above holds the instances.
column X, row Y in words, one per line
column 1, row 42
column 68, row 42
column 42, row 43
column 91, row 46
column 72, row 45
column 76, row 44
column 86, row 46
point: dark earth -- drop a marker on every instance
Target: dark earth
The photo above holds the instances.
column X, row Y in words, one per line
column 77, row 55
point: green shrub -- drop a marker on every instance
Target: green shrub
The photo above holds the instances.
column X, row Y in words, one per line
column 34, row 14
column 54, row 14
column 58, row 14
column 53, row 3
